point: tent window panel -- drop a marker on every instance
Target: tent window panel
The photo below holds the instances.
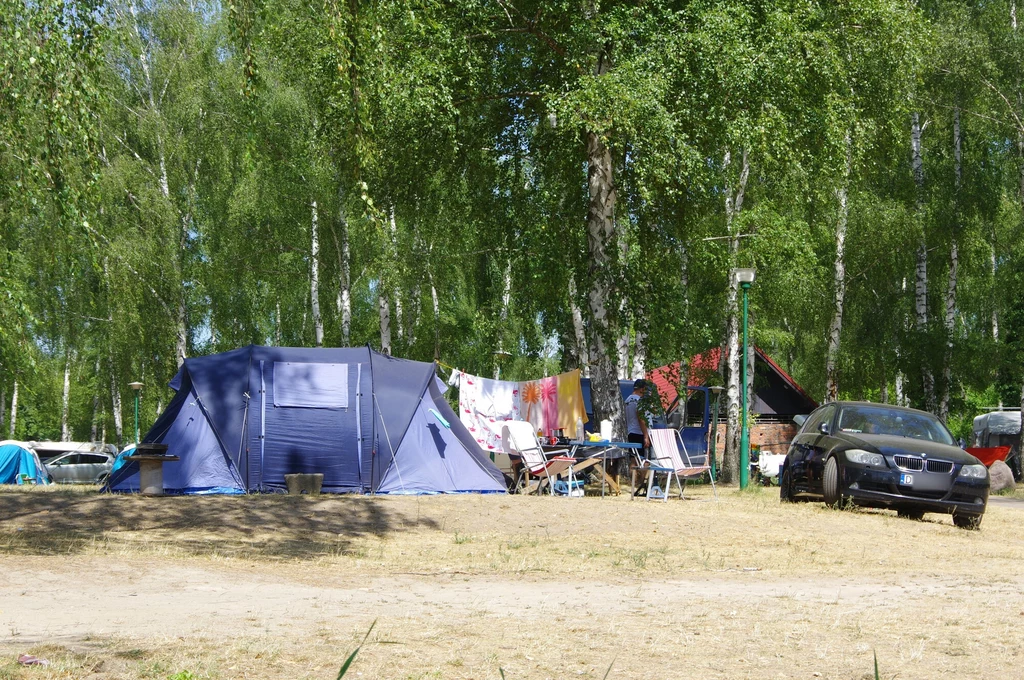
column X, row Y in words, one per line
column 305, row 385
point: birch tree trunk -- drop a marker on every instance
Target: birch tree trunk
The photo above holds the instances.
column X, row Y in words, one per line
column 921, row 270
column 180, row 315
column 277, row 322
column 600, row 237
column 14, row 408
column 344, row 274
column 579, row 330
column 839, row 282
column 506, row 299
column 384, row 308
column 506, row 292
column 435, row 303
column 684, row 349
column 94, row 430
column 954, row 263
column 1020, row 196
column 639, row 365
column 399, row 316
column 414, row 316
column 314, row 274
column 115, row 403
column 733, row 206
column 65, row 398
column 3, row 405
column 622, row 341
column 437, row 316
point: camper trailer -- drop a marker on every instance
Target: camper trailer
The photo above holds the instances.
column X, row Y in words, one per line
column 999, row 432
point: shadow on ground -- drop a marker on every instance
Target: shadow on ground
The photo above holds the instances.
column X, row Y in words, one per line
column 260, row 526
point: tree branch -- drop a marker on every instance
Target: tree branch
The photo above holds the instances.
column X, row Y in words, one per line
column 1009, row 105
column 526, row 94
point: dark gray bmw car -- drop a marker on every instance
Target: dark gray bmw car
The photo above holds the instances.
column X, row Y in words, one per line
column 881, row 456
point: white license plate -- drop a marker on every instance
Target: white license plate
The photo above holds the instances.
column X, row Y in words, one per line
column 906, row 480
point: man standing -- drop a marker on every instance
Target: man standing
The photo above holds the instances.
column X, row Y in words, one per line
column 636, row 423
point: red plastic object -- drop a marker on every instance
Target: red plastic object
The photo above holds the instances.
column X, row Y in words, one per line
column 990, row 454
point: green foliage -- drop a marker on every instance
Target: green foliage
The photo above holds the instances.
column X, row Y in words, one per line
column 160, row 163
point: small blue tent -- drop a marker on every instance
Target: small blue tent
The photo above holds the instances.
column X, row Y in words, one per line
column 371, row 423
column 19, row 465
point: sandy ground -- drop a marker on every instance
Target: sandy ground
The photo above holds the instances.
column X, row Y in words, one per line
column 460, row 587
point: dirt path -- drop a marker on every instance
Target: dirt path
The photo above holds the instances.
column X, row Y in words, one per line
column 120, row 588
column 48, row 598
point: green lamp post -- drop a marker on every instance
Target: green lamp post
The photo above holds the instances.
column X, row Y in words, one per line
column 136, row 387
column 745, row 277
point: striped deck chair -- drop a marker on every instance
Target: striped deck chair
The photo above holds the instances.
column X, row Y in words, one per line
column 519, row 439
column 669, row 458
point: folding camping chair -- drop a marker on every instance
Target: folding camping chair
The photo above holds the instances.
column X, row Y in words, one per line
column 670, row 458
column 518, row 439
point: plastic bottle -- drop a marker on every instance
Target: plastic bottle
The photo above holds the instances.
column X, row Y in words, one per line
column 580, row 434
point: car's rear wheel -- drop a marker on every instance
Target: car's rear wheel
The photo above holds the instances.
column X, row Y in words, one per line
column 102, row 480
column 786, row 486
column 830, row 483
column 965, row 521
column 910, row 513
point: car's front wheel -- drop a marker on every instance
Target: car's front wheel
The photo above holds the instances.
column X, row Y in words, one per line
column 786, row 486
column 965, row 521
column 830, row 483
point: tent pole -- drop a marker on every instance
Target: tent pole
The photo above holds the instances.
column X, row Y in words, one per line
column 263, row 421
column 394, row 460
column 241, row 438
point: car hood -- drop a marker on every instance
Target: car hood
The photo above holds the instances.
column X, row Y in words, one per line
column 892, row 445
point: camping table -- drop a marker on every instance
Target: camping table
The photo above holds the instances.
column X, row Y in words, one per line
column 612, row 450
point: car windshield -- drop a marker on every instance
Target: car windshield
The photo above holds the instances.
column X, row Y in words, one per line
column 882, row 420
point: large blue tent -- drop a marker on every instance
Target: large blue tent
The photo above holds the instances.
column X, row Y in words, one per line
column 20, row 465
column 241, row 420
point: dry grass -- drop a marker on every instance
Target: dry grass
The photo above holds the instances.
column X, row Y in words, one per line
column 280, row 587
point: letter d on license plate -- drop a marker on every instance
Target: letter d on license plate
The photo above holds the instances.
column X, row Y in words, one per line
column 906, row 480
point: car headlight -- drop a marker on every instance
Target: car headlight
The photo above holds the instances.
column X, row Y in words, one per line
column 974, row 471
column 862, row 457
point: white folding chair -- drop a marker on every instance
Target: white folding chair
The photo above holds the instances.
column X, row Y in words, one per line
column 518, row 439
column 670, row 458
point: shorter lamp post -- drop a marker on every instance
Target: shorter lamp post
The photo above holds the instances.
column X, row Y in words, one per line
column 717, row 389
column 745, row 277
column 136, row 387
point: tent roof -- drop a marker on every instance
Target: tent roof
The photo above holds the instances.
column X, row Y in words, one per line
column 703, row 365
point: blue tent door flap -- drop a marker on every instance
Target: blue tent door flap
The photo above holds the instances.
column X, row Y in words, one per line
column 310, row 423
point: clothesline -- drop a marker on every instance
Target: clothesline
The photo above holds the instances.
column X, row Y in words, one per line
column 549, row 404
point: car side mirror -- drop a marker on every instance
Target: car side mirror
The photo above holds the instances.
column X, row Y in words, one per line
column 962, row 443
column 823, row 428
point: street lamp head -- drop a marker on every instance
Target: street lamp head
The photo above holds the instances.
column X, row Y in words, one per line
column 502, row 354
column 135, row 386
column 717, row 389
column 744, row 276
